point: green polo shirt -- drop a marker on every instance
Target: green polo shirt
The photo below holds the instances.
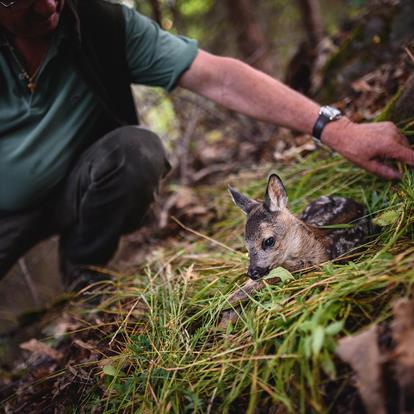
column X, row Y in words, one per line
column 41, row 133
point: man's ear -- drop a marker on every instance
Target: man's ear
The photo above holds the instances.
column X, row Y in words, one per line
column 276, row 197
column 241, row 201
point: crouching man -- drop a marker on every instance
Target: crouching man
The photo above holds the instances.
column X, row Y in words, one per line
column 74, row 162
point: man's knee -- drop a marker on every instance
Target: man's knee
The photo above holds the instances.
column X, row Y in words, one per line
column 119, row 174
column 131, row 154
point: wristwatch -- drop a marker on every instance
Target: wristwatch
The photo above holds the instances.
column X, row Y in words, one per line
column 326, row 114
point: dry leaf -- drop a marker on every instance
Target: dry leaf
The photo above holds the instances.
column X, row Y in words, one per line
column 85, row 345
column 361, row 85
column 40, row 348
column 362, row 353
column 397, row 360
column 403, row 334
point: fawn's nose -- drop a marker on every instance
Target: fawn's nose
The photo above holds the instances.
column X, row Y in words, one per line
column 257, row 272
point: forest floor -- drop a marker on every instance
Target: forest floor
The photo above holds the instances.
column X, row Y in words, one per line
column 150, row 340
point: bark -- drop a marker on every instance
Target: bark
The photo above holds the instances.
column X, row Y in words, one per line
column 156, row 11
column 403, row 110
column 252, row 42
column 312, row 20
column 301, row 67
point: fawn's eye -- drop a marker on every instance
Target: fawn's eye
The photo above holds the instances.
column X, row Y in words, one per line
column 267, row 243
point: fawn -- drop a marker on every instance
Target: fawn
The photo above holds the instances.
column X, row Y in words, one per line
column 275, row 237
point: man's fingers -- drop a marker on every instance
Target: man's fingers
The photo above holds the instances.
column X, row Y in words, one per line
column 403, row 153
column 382, row 170
column 404, row 140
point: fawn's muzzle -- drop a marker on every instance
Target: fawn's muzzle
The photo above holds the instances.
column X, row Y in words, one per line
column 257, row 272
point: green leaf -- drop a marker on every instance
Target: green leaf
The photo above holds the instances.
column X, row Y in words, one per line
column 387, row 218
column 317, row 340
column 229, row 328
column 307, row 347
column 109, row 370
column 306, row 326
column 283, row 274
column 334, row 328
column 328, row 366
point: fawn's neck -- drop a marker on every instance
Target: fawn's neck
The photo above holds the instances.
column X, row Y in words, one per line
column 311, row 247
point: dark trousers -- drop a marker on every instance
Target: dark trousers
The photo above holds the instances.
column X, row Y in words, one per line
column 106, row 194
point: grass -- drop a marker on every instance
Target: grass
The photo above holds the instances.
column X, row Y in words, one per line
column 169, row 355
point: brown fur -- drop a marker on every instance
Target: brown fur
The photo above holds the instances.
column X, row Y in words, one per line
column 297, row 245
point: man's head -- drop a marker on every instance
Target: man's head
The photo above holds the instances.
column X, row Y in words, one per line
column 30, row 18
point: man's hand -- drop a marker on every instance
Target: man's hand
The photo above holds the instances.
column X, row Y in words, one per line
column 369, row 145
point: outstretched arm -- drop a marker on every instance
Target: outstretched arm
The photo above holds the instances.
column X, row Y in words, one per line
column 237, row 86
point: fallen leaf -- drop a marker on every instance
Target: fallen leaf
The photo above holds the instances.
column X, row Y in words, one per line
column 403, row 355
column 85, row 345
column 362, row 353
column 361, row 85
column 40, row 348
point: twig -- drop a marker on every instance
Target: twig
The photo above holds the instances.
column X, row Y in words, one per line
column 29, row 281
column 204, row 236
column 409, row 53
column 124, row 321
column 212, row 169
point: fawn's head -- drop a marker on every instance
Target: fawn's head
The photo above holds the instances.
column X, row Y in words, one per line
column 271, row 232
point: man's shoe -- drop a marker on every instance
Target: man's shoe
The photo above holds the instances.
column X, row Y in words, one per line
column 78, row 277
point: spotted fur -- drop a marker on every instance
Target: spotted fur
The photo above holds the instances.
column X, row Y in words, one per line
column 275, row 237
column 331, row 210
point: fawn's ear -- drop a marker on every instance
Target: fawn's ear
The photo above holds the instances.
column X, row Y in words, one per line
column 241, row 201
column 276, row 196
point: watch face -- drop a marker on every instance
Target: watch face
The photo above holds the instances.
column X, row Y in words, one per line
column 331, row 112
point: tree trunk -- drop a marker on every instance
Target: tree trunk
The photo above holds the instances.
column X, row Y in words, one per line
column 312, row 21
column 156, row 11
column 403, row 109
column 301, row 66
column 251, row 40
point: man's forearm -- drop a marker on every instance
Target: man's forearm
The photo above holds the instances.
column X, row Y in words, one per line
column 241, row 88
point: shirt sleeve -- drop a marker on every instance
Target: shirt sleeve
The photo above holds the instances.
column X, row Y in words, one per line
column 155, row 57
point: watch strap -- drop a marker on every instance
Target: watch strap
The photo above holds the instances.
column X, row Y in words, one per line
column 319, row 126
column 326, row 114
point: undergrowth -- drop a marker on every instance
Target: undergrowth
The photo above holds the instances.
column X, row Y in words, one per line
column 170, row 356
